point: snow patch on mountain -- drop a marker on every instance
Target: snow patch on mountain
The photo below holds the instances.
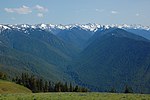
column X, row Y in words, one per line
column 4, row 27
column 88, row 27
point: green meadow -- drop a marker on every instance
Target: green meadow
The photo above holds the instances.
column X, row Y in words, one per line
column 74, row 96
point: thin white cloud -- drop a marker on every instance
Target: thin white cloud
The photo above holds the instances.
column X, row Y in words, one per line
column 40, row 15
column 21, row 10
column 114, row 12
column 99, row 10
column 9, row 10
column 40, row 8
column 26, row 10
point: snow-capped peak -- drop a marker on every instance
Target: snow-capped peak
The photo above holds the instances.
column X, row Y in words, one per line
column 4, row 27
column 43, row 26
column 88, row 27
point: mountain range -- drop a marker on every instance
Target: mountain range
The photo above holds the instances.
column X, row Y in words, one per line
column 99, row 57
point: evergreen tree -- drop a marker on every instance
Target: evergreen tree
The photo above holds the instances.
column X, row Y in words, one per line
column 33, row 84
column 70, row 88
column 128, row 89
column 50, row 87
column 83, row 90
column 41, row 85
column 76, row 89
column 66, row 87
column 113, row 90
column 3, row 76
column 38, row 85
column 23, row 79
column 59, row 87
column 46, row 87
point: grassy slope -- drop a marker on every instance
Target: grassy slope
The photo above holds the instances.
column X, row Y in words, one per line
column 75, row 96
column 9, row 87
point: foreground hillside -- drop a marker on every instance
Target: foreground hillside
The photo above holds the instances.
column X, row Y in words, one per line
column 9, row 87
column 75, row 96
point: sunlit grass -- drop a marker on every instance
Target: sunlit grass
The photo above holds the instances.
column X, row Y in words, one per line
column 74, row 96
column 10, row 87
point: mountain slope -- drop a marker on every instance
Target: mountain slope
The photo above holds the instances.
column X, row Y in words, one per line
column 21, row 52
column 116, row 59
column 141, row 32
column 14, row 63
column 75, row 36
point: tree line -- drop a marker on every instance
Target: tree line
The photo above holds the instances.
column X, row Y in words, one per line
column 39, row 85
column 127, row 89
column 3, row 76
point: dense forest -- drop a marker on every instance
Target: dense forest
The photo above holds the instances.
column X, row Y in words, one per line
column 39, row 85
column 36, row 84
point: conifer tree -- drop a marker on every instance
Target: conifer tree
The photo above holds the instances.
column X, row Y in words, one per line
column 66, row 87
column 70, row 88
column 76, row 88
column 128, row 89
column 46, row 86
column 41, row 85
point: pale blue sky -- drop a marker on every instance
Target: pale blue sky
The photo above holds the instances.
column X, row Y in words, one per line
column 75, row 11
